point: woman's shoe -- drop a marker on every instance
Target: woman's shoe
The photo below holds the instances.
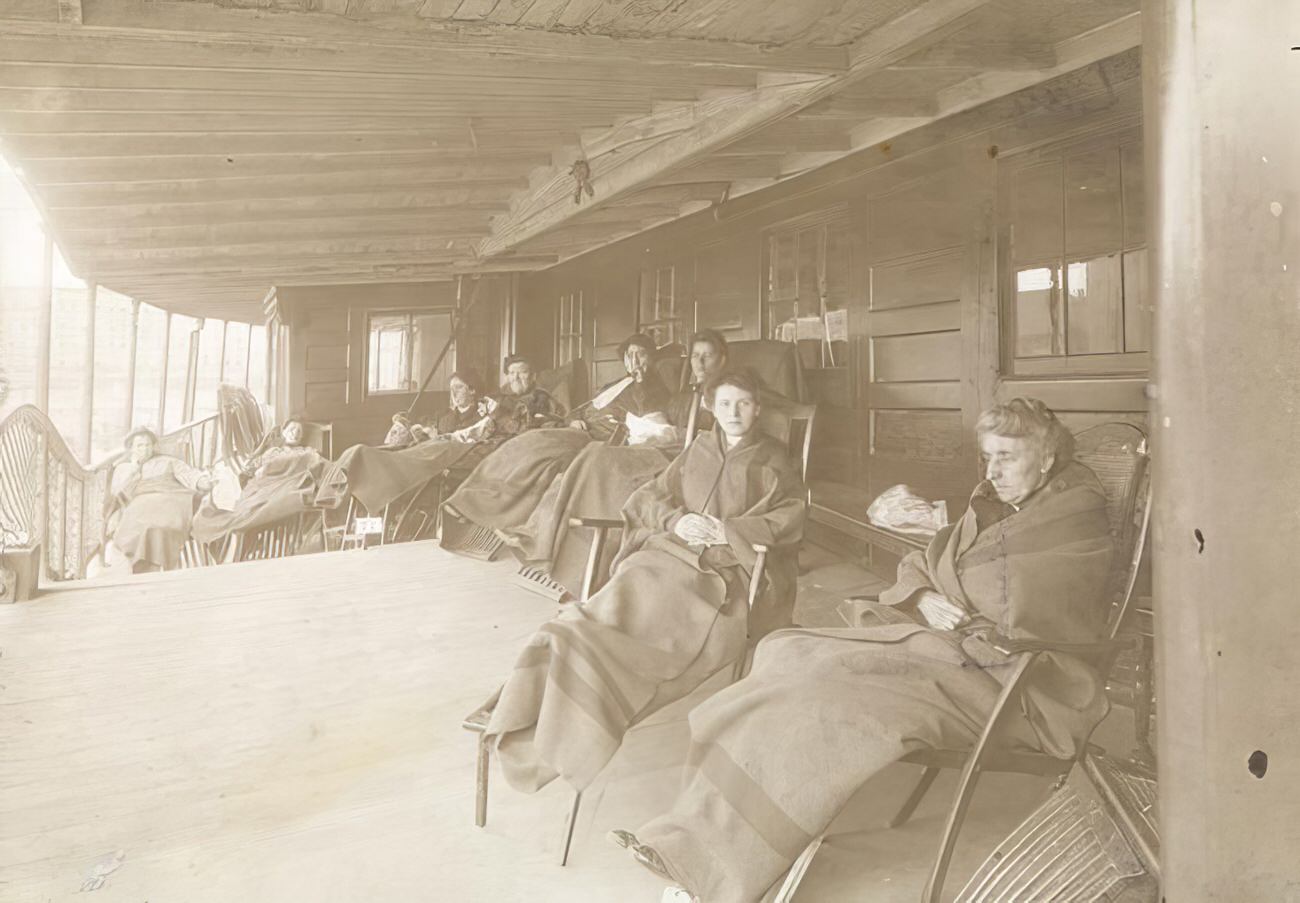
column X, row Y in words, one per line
column 625, row 839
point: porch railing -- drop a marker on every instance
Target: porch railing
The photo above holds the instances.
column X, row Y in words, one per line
column 50, row 501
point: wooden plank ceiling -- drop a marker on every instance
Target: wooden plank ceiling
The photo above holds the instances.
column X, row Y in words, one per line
column 194, row 154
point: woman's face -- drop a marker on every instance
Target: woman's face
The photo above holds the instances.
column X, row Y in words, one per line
column 636, row 360
column 705, row 361
column 462, row 396
column 292, row 433
column 519, row 377
column 141, row 449
column 1014, row 465
column 735, row 410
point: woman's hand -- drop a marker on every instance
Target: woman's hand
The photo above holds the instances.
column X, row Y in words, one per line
column 940, row 613
column 700, row 530
column 579, row 425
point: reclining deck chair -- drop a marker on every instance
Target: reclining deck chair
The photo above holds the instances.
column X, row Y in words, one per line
column 1117, row 454
column 793, row 426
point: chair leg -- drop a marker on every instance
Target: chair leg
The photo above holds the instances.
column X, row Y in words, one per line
column 797, row 870
column 966, row 790
column 570, row 824
column 914, row 800
column 481, row 781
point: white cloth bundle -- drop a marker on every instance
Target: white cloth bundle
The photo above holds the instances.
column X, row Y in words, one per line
column 901, row 508
column 652, row 429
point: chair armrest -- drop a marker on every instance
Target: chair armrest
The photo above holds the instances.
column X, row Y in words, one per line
column 607, row 522
column 1013, row 647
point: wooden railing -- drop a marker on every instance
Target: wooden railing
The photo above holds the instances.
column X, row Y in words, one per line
column 50, row 501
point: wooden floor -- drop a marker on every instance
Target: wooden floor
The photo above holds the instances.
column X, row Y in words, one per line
column 290, row 731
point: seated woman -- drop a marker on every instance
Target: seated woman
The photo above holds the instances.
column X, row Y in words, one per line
column 675, row 609
column 530, row 404
column 465, row 411
column 505, row 489
column 775, row 756
column 708, row 350
column 280, row 483
column 153, row 500
column 602, row 477
column 640, row 392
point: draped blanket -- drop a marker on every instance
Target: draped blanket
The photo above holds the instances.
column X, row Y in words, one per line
column 155, row 524
column 775, row 756
column 597, row 484
column 377, row 476
column 284, row 486
column 670, row 616
column 506, row 487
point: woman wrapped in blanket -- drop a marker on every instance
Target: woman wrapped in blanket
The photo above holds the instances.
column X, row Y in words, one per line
column 152, row 497
column 675, row 609
column 775, row 756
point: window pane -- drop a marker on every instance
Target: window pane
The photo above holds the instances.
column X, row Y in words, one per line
column 1093, row 217
column 431, row 334
column 1095, row 305
column 257, row 356
column 1037, row 215
column 148, row 367
column 1135, row 222
column 388, row 367
column 209, row 369
column 236, row 361
column 1137, row 313
column 1038, row 319
column 112, row 347
column 69, row 334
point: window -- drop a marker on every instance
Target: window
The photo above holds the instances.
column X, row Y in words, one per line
column 1074, row 244
column 568, row 331
column 402, row 346
column 807, row 287
column 659, row 314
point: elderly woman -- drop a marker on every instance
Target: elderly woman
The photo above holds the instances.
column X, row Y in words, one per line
column 775, row 756
column 674, row 611
column 152, row 497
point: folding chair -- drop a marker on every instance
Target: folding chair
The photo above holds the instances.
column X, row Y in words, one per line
column 1117, row 454
column 281, row 539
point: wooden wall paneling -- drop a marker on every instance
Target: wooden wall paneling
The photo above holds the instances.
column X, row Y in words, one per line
column 921, row 279
column 921, row 357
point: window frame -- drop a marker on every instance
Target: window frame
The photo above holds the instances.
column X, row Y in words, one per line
column 569, row 342
column 1121, row 363
column 412, row 379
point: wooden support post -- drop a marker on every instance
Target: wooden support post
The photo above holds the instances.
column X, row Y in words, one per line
column 166, row 363
column 128, row 397
column 1222, row 97
column 44, row 330
column 88, row 374
column 192, row 372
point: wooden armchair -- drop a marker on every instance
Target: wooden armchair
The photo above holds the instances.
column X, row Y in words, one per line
column 1117, row 454
column 793, row 426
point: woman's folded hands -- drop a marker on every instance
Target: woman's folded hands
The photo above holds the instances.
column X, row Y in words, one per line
column 700, row 530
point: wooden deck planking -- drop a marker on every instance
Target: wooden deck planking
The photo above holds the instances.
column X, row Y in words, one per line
column 289, row 730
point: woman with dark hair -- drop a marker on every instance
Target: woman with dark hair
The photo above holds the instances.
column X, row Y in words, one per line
column 775, row 756
column 463, row 388
column 151, row 502
column 708, row 356
column 675, row 608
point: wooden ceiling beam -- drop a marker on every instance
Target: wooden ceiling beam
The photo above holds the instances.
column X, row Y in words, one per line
column 455, row 89
column 231, row 144
column 1011, row 56
column 424, row 38
column 114, row 237
column 720, row 123
column 858, row 109
column 327, row 169
column 393, row 205
column 552, row 56
column 287, row 193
